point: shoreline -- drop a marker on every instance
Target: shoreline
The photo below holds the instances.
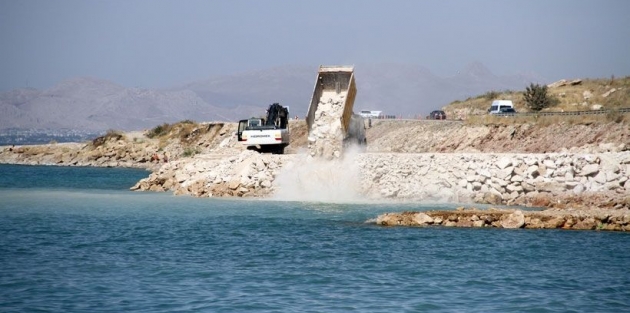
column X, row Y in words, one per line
column 575, row 214
column 205, row 160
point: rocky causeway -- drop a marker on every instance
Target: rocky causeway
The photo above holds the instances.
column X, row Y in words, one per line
column 577, row 176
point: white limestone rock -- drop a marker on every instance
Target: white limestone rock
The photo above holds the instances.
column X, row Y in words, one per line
column 514, row 220
column 589, row 170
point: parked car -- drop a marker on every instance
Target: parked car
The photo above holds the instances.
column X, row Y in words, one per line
column 437, row 115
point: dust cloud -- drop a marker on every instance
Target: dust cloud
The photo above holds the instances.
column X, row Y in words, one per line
column 319, row 180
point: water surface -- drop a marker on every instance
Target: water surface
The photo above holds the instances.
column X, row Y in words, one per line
column 76, row 240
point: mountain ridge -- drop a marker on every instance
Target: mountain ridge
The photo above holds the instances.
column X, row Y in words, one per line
column 90, row 103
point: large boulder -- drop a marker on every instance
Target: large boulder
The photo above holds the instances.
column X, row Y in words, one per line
column 422, row 219
column 491, row 198
column 514, row 220
column 589, row 170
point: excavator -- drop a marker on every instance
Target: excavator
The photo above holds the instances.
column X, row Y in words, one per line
column 269, row 134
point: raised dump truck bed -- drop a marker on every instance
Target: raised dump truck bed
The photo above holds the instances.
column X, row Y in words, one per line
column 337, row 79
column 330, row 119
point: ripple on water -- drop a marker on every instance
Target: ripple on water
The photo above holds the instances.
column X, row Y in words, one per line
column 95, row 250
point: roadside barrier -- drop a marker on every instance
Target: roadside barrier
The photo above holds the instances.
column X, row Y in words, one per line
column 591, row 112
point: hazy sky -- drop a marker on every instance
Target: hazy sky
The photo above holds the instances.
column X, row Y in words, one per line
column 166, row 43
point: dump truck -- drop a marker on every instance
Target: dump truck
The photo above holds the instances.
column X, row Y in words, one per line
column 332, row 125
column 268, row 134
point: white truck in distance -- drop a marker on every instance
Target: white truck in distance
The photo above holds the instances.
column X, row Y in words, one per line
column 371, row 114
column 501, row 106
column 268, row 134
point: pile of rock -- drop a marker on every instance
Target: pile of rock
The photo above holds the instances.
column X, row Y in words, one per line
column 326, row 136
column 463, row 177
column 564, row 82
column 492, row 178
column 247, row 174
column 615, row 220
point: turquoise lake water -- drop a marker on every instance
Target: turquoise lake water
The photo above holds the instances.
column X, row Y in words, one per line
column 76, row 240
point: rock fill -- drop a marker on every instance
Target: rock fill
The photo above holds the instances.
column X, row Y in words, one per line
column 612, row 220
column 492, row 178
column 327, row 133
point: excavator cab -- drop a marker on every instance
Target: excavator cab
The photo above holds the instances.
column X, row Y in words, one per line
column 242, row 124
column 252, row 123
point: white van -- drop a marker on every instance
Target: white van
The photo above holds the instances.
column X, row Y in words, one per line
column 500, row 106
column 371, row 114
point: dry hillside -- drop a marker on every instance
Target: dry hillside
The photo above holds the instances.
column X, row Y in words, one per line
column 570, row 95
column 454, row 136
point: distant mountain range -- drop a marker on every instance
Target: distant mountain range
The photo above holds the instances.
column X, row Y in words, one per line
column 95, row 104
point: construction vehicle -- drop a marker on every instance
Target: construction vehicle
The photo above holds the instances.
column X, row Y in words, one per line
column 332, row 125
column 269, row 134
